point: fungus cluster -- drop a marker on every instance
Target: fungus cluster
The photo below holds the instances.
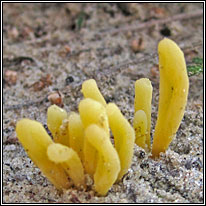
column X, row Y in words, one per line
column 81, row 141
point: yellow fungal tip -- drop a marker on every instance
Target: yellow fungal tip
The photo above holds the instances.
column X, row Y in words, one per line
column 58, row 153
column 90, row 90
column 55, row 116
column 92, row 111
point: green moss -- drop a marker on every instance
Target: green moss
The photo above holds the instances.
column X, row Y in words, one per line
column 196, row 67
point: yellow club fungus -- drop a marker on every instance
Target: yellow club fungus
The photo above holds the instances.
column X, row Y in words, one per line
column 92, row 112
column 76, row 134
column 143, row 98
column 108, row 165
column 69, row 160
column 57, row 123
column 124, row 137
column 35, row 141
column 174, row 85
column 90, row 90
column 82, row 141
column 140, row 128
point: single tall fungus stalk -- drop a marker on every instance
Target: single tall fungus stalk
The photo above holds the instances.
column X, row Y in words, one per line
column 81, row 142
column 142, row 107
column 174, row 86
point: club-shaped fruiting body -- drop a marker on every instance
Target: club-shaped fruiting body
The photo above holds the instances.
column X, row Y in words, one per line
column 142, row 101
column 173, row 92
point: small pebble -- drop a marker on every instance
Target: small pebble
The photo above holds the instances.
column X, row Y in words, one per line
column 69, row 80
column 56, row 98
column 137, row 45
column 11, row 147
column 10, row 77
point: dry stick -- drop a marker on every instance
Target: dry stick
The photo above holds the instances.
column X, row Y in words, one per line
column 27, row 104
column 16, row 60
column 146, row 25
column 195, row 14
column 124, row 64
column 150, row 57
column 151, row 23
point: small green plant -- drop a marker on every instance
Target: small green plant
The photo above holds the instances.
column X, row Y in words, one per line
column 196, row 66
column 80, row 20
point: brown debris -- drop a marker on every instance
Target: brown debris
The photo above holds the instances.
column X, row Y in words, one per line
column 149, row 24
column 154, row 70
column 74, row 198
column 11, row 140
column 67, row 48
column 56, row 98
column 27, row 32
column 13, row 33
column 158, row 12
column 137, row 45
column 10, row 77
column 65, row 51
column 45, row 81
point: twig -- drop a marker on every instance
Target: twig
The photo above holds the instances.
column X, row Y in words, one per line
column 125, row 64
column 122, row 66
column 16, row 60
column 151, row 23
column 76, row 53
column 27, row 104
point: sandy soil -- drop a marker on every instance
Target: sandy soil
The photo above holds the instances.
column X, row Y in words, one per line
column 55, row 47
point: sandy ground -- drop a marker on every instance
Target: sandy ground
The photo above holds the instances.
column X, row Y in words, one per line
column 55, row 47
